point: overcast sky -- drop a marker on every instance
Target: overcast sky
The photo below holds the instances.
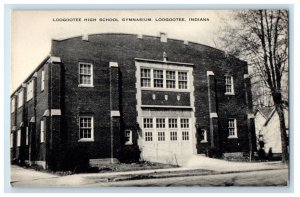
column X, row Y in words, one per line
column 32, row 31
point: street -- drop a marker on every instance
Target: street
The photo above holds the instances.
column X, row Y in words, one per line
column 21, row 177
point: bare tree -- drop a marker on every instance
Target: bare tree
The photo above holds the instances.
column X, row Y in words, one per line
column 261, row 38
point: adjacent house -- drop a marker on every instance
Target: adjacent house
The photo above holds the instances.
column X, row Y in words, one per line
column 267, row 130
column 120, row 96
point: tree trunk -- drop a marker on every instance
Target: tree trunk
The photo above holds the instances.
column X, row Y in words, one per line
column 285, row 153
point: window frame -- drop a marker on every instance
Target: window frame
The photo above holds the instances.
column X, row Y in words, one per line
column 21, row 98
column 146, row 78
column 129, row 142
column 19, row 138
column 148, row 138
column 231, row 85
column 42, row 80
column 173, row 136
column 185, row 135
column 91, row 75
column 91, row 139
column 204, row 134
column 11, row 140
column 235, row 135
column 155, row 77
column 183, row 80
column 42, row 131
column 13, row 105
column 30, row 90
column 168, row 79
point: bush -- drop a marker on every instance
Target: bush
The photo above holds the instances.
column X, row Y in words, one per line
column 76, row 160
column 214, row 153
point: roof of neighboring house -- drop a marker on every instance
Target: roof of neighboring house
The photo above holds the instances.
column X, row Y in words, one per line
column 266, row 111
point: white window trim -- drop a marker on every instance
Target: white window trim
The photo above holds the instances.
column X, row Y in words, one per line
column 92, row 139
column 164, row 88
column 11, row 140
column 27, row 136
column 29, row 91
column 235, row 129
column 232, row 86
column 20, row 98
column 42, row 131
column 92, row 76
column 42, row 80
column 13, row 105
column 130, row 137
column 19, row 138
column 205, row 136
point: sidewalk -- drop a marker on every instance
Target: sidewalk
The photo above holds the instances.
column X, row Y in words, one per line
column 195, row 166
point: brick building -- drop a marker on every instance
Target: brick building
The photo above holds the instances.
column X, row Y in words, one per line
column 112, row 96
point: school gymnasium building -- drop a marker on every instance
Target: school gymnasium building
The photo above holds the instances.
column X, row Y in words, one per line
column 124, row 96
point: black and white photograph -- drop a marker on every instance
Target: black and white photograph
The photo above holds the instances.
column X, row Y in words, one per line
column 149, row 98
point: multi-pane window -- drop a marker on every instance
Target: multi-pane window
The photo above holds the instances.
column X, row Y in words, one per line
column 170, row 79
column 148, row 123
column 203, row 135
column 160, row 123
column 86, row 127
column 19, row 138
column 161, row 136
column 43, row 80
column 172, row 123
column 128, row 137
column 85, row 74
column 182, row 80
column 145, row 77
column 229, row 84
column 20, row 98
column 148, row 136
column 184, row 123
column 232, row 130
column 30, row 90
column 185, row 135
column 42, row 131
column 158, row 78
column 13, row 104
column 173, row 135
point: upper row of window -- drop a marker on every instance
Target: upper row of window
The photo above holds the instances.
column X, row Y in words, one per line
column 157, row 78
column 29, row 92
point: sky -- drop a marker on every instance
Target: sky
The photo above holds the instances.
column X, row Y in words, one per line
column 32, row 31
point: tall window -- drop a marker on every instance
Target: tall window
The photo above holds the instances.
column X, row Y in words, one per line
column 148, row 123
column 184, row 123
column 185, row 135
column 11, row 140
column 171, row 79
column 161, row 136
column 19, row 138
column 27, row 135
column 86, row 128
column 148, row 136
column 232, row 130
column 43, row 80
column 42, row 132
column 203, row 136
column 20, row 98
column 30, row 90
column 85, row 74
column 172, row 123
column 182, row 80
column 128, row 137
column 160, row 123
column 229, row 85
column 13, row 104
column 173, row 135
column 145, row 77
column 158, row 78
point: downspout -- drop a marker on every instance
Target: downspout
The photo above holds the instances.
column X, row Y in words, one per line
column 111, row 121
